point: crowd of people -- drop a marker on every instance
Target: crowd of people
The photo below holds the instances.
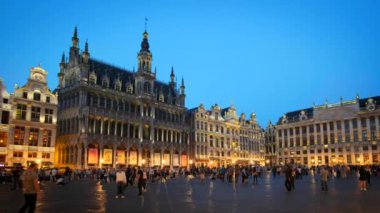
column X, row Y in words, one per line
column 136, row 176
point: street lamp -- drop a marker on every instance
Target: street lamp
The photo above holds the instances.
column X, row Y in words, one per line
column 143, row 161
column 191, row 161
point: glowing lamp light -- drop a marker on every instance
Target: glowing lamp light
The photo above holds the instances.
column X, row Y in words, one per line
column 143, row 161
column 101, row 160
column 191, row 161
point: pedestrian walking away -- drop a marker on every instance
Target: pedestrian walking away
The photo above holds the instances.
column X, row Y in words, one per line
column 30, row 188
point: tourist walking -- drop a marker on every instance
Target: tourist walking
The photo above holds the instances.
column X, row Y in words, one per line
column 255, row 174
column 30, row 188
column 288, row 177
column 121, row 181
column 324, row 173
column 15, row 178
column 140, row 180
column 362, row 179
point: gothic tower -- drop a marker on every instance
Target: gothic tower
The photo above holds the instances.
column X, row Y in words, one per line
column 144, row 80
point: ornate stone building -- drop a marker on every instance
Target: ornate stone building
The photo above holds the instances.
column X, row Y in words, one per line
column 5, row 109
column 32, row 128
column 343, row 133
column 270, row 145
column 110, row 116
column 219, row 137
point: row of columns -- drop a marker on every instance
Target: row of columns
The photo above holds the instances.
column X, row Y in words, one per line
column 79, row 157
column 334, row 130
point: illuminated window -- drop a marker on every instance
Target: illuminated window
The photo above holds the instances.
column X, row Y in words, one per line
column 19, row 135
column 46, row 138
column 32, row 154
column 35, row 116
column 33, row 137
column 17, row 154
column 21, row 112
column 45, row 155
column 3, row 139
column 48, row 116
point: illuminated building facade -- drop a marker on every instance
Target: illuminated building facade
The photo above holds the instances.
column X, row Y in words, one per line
column 32, row 125
column 343, row 133
column 270, row 145
column 110, row 116
column 5, row 110
column 219, row 137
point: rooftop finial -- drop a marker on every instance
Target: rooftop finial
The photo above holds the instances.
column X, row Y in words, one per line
column 86, row 46
column 146, row 22
column 63, row 58
column 75, row 32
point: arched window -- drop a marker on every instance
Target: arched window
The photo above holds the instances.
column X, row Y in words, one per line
column 146, row 87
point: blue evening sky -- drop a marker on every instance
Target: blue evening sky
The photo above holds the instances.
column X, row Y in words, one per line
column 268, row 57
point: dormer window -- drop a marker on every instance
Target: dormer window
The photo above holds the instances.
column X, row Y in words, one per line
column 129, row 88
column 105, row 83
column 47, row 99
column 25, row 95
column 36, row 96
column 303, row 116
column 162, row 98
column 371, row 104
column 118, row 85
column 147, row 87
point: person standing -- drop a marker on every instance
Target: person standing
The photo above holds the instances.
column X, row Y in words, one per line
column 121, row 180
column 324, row 177
column 140, row 180
column 15, row 178
column 288, row 176
column 362, row 179
column 30, row 188
column 255, row 174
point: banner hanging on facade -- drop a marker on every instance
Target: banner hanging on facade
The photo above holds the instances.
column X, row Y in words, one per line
column 92, row 156
column 120, row 156
column 175, row 160
column 107, row 156
column 166, row 161
column 157, row 158
column 133, row 157
column 184, row 160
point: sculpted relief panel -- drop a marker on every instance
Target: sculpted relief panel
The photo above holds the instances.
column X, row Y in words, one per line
column 337, row 113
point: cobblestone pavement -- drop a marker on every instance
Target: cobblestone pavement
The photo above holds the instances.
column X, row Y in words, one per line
column 183, row 195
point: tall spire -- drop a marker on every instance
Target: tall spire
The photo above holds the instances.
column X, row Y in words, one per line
column 182, row 87
column 172, row 75
column 75, row 38
column 86, row 46
column 144, row 56
column 63, row 58
column 85, row 54
column 62, row 64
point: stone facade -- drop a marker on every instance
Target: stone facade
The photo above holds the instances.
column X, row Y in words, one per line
column 5, row 111
column 32, row 126
column 219, row 137
column 343, row 133
column 270, row 145
column 110, row 116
